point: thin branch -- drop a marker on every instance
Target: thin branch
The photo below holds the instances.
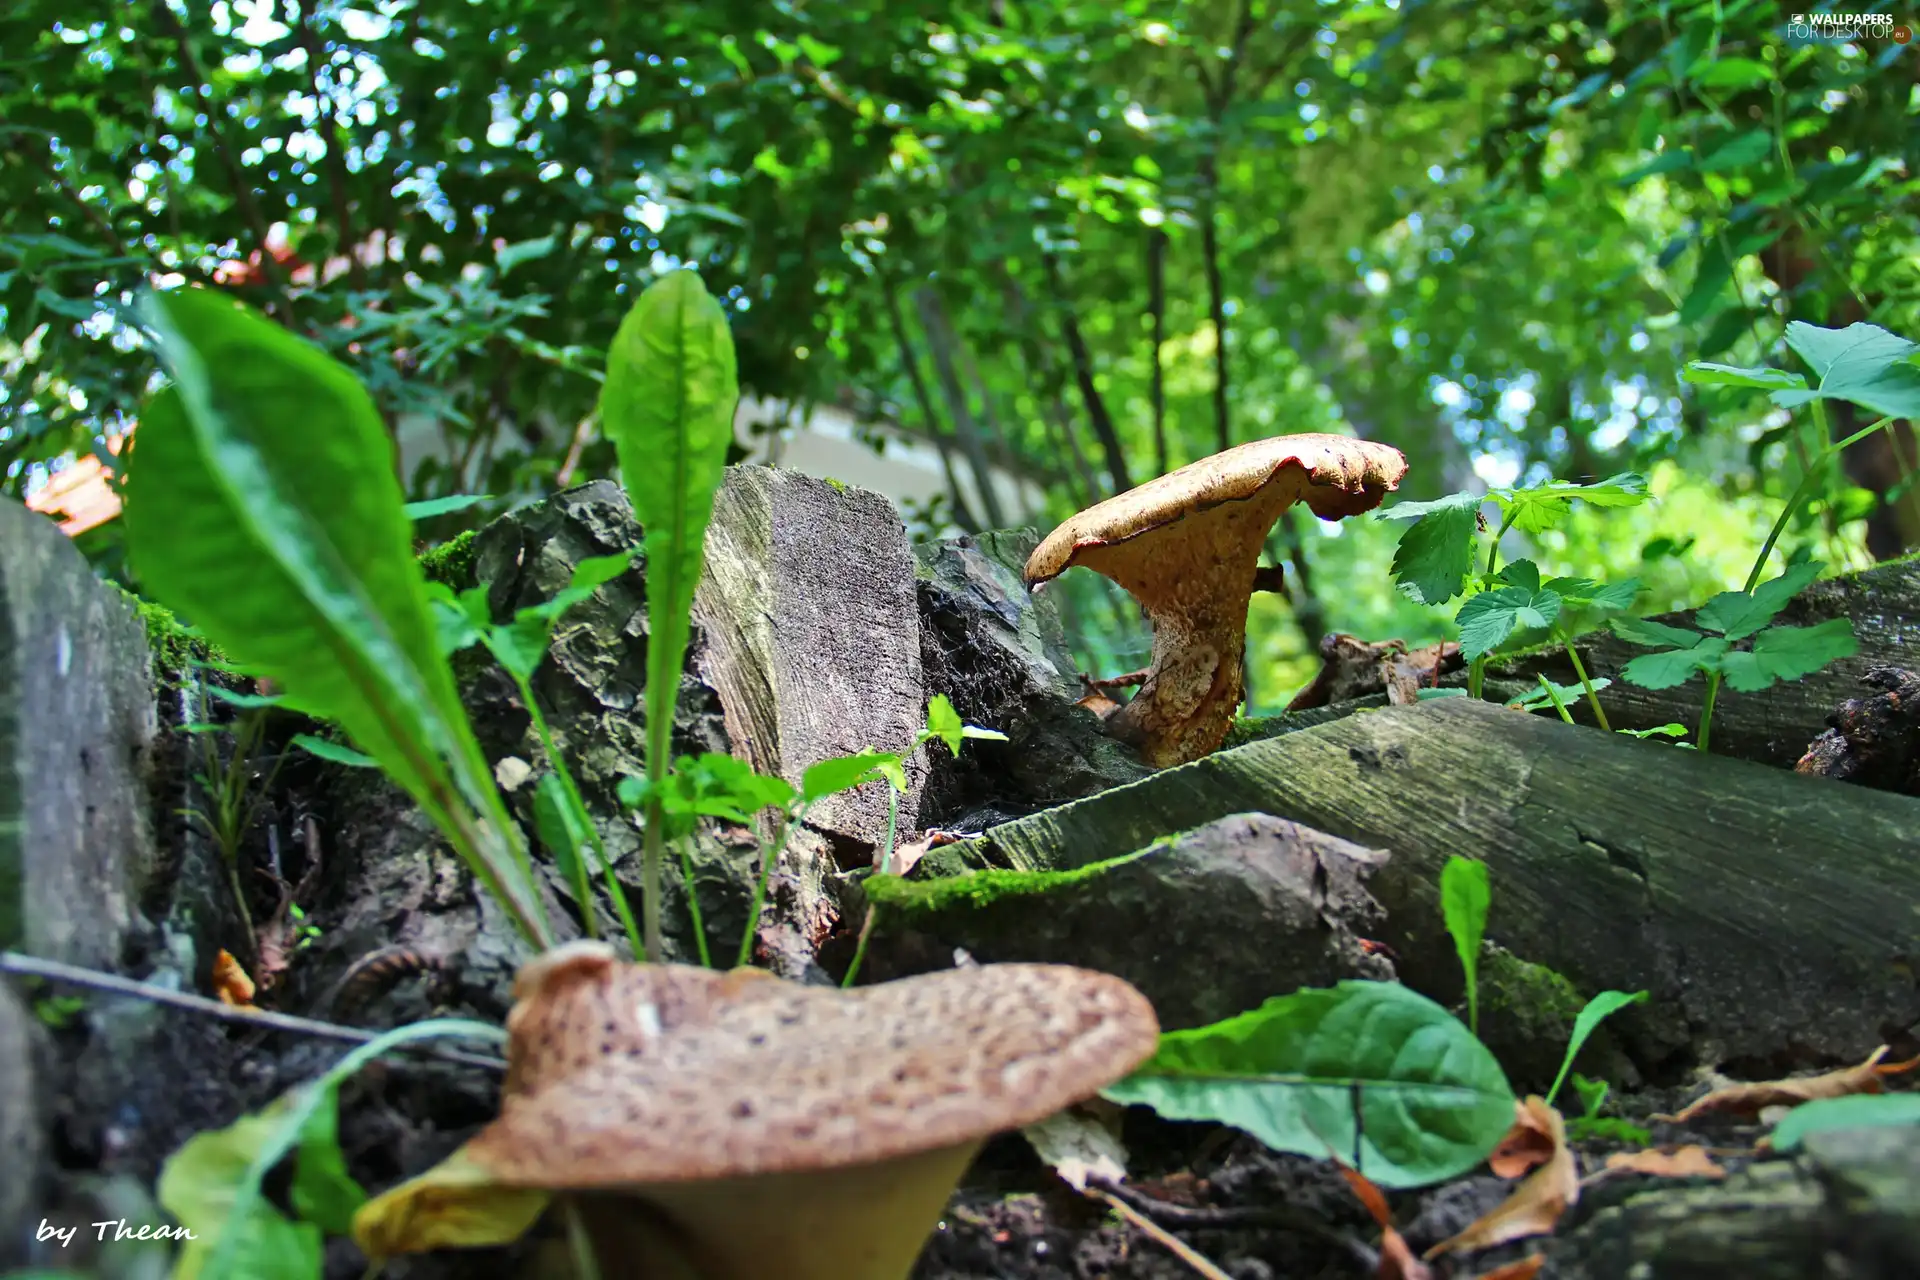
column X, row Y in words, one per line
column 55, row 971
column 1160, row 1235
column 1083, row 374
column 1157, row 314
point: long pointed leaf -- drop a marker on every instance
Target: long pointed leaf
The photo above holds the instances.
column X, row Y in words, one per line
column 668, row 405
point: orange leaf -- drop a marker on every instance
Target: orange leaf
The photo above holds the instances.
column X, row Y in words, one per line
column 1525, row 1269
column 1751, row 1099
column 1690, row 1161
column 231, row 983
column 1527, row 1144
column 1536, row 1204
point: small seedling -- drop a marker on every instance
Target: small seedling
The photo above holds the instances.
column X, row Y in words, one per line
column 1775, row 654
column 1591, row 1124
column 1464, row 899
column 1436, row 556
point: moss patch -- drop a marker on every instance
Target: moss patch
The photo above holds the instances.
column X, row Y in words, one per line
column 982, row 888
column 451, row 562
column 175, row 649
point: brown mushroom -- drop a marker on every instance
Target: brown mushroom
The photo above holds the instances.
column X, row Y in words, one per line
column 753, row 1127
column 1186, row 547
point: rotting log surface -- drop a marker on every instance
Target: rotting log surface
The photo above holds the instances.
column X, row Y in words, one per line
column 1773, row 726
column 1771, row 916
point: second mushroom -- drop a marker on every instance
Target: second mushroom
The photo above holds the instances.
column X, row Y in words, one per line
column 1186, row 547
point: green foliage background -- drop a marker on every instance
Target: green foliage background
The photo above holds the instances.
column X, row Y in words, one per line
column 1489, row 235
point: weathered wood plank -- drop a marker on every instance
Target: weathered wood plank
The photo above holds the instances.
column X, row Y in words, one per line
column 1767, row 913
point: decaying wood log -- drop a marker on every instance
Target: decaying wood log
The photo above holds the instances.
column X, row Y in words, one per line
column 1773, row 726
column 1770, row 915
column 1845, row 1206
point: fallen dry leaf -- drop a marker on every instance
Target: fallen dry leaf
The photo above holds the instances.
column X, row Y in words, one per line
column 1525, row 1269
column 1079, row 1147
column 1536, row 1204
column 1691, row 1161
column 231, row 983
column 907, row 854
column 1396, row 1255
column 1750, row 1099
column 1527, row 1144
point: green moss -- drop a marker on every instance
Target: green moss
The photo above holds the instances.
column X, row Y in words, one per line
column 174, row 648
column 982, row 888
column 451, row 562
column 1528, row 997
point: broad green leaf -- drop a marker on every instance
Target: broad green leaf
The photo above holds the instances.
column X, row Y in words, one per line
column 1738, row 614
column 1648, row 632
column 1788, row 653
column 218, row 1182
column 844, row 773
column 1436, row 552
column 1861, row 363
column 700, row 783
column 1585, row 593
column 1675, row 666
column 200, row 1186
column 1490, row 617
column 1706, row 374
column 1857, row 1111
column 1730, row 73
column 1742, row 152
column 262, row 503
column 1432, row 1101
column 335, row 752
column 668, row 405
column 1520, row 573
column 1598, row 1009
column 1464, row 898
column 1542, row 507
column 442, row 506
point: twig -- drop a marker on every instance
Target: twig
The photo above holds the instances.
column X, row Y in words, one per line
column 1223, row 1217
column 54, row 971
column 1166, row 1239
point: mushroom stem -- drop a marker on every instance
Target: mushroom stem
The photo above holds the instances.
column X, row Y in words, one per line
column 867, row 1222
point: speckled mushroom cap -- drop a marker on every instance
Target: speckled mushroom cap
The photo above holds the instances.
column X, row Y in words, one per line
column 1336, row 476
column 622, row 1074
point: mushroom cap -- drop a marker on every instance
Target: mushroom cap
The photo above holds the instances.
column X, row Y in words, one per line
column 622, row 1075
column 1337, row 476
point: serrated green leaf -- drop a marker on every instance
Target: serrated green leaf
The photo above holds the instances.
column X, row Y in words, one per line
column 1857, row 1111
column 1585, row 593
column 1738, row 614
column 1675, row 666
column 1658, row 731
column 668, row 405
column 1520, row 573
column 1540, row 699
column 1436, row 552
column 1490, row 617
column 1788, row 653
column 1706, row 374
column 1648, row 632
column 1861, row 363
column 1432, row 1100
column 1542, row 507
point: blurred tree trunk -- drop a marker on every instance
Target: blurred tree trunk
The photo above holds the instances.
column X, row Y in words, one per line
column 1083, row 374
column 910, row 362
column 942, row 342
column 1157, row 314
